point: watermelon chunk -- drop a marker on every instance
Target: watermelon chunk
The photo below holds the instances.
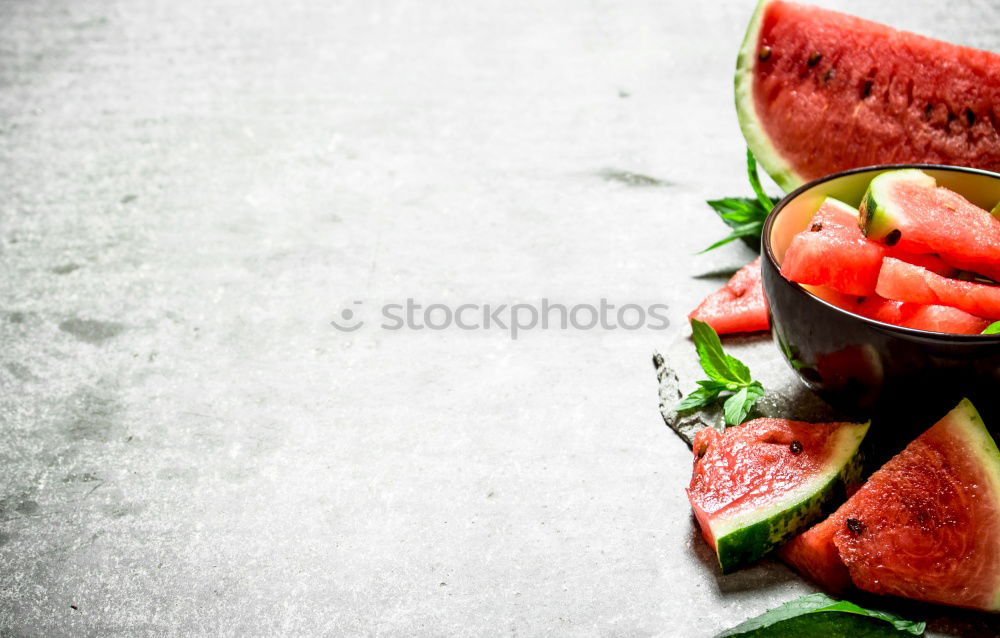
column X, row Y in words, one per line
column 907, row 282
column 934, row 318
column 924, row 526
column 739, row 306
column 819, row 92
column 834, row 252
column 907, row 209
column 756, row 485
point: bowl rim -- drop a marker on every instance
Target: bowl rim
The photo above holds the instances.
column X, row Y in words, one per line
column 768, row 253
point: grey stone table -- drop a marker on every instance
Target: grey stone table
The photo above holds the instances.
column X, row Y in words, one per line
column 191, row 192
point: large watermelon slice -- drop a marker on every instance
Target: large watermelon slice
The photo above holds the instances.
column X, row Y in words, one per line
column 924, row 526
column 908, row 282
column 739, row 306
column 819, row 92
column 907, row 209
column 758, row 484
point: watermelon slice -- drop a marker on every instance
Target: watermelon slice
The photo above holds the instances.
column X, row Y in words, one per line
column 925, row 526
column 907, row 209
column 834, row 252
column 756, row 485
column 819, row 92
column 907, row 282
column 739, row 306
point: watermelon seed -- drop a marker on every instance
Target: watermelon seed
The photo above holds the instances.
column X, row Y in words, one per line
column 893, row 237
column 866, row 90
column 816, row 227
column 855, row 527
column 796, row 447
column 814, row 58
column 970, row 117
column 830, row 74
column 928, row 111
column 860, row 300
column 765, row 53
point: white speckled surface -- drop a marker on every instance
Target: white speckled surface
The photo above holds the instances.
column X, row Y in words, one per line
column 191, row 191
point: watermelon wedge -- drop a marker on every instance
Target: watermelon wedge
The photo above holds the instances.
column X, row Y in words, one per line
column 739, row 306
column 907, row 209
column 758, row 484
column 834, row 252
column 907, row 282
column 819, row 92
column 924, row 526
column 933, row 318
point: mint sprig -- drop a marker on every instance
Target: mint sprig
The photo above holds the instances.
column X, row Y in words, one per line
column 826, row 617
column 993, row 328
column 727, row 376
column 744, row 215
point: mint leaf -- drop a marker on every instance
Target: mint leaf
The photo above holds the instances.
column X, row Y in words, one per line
column 726, row 373
column 737, row 407
column 744, row 215
column 993, row 328
column 758, row 190
column 713, row 360
column 698, row 399
column 818, row 615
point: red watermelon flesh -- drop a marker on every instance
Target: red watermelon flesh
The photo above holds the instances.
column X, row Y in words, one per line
column 819, row 92
column 927, row 524
column 934, row 318
column 739, row 306
column 834, row 252
column 908, row 208
column 813, row 554
column 907, row 282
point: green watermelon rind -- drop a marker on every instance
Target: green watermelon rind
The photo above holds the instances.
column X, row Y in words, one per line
column 880, row 213
column 746, row 109
column 744, row 539
column 964, row 422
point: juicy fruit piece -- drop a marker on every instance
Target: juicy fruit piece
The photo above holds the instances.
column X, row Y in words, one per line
column 819, row 92
column 739, row 306
column 832, row 251
column 925, row 526
column 942, row 319
column 907, row 209
column 755, row 485
column 813, row 554
column 906, row 282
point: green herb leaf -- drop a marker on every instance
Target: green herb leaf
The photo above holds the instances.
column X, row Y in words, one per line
column 993, row 328
column 737, row 407
column 818, row 615
column 726, row 373
column 744, row 215
column 699, row 399
column 758, row 190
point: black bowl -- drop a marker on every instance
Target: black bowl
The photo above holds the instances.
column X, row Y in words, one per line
column 862, row 366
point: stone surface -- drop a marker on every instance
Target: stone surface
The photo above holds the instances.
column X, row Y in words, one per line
column 191, row 192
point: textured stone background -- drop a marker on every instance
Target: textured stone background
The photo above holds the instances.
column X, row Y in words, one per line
column 190, row 191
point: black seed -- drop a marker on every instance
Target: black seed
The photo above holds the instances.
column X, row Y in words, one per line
column 765, row 53
column 816, row 227
column 830, row 74
column 893, row 237
column 796, row 447
column 861, row 300
column 951, row 116
column 866, row 90
column 855, row 527
column 928, row 111
column 970, row 117
column 814, row 58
